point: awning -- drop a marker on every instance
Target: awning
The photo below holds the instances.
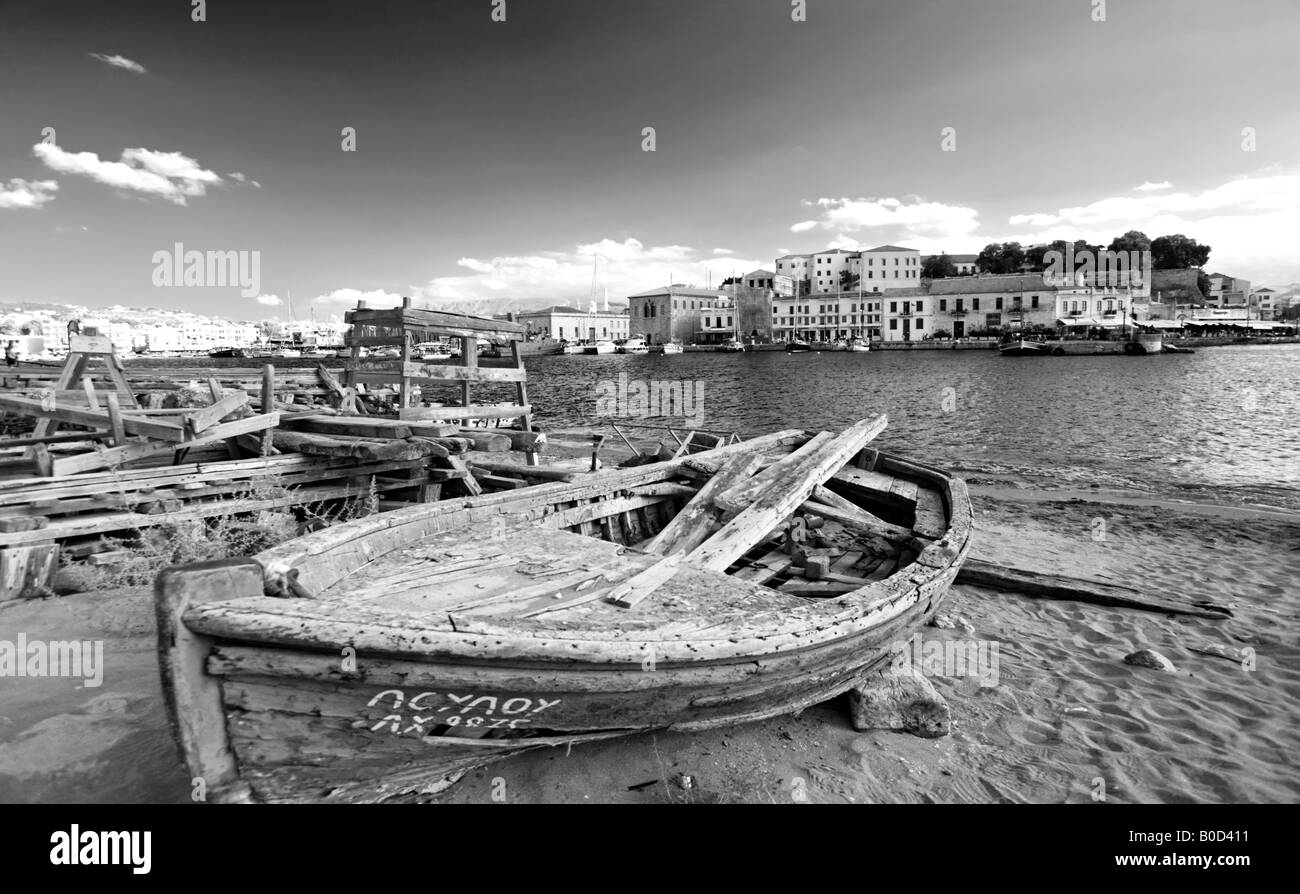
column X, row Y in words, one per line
column 1161, row 324
column 1113, row 323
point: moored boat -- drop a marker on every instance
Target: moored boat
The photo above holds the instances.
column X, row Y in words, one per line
column 383, row 658
column 671, row 347
column 731, row 346
column 858, row 346
column 797, row 347
column 602, row 346
column 634, row 345
column 1022, row 347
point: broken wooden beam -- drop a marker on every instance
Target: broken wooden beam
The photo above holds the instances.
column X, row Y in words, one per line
column 783, row 496
column 1055, row 586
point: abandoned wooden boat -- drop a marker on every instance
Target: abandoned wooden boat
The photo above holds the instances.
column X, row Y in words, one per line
column 382, row 658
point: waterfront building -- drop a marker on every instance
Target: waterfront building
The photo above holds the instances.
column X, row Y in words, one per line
column 759, row 279
column 826, row 317
column 674, row 313
column 989, row 304
column 571, row 324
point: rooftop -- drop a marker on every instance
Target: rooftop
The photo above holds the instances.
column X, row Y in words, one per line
column 890, row 248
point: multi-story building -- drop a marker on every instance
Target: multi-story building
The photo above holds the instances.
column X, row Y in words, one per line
column 672, row 313
column 1228, row 290
column 1262, row 303
column 792, row 274
column 570, row 323
column 759, row 279
column 983, row 303
column 831, row 271
column 826, row 317
column 889, row 267
column 906, row 314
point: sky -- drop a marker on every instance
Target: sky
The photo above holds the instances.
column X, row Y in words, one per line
column 504, row 160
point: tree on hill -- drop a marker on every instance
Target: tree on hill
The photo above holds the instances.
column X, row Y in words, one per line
column 1178, row 252
column 1133, row 240
column 1001, row 257
column 938, row 266
column 731, row 279
column 848, row 281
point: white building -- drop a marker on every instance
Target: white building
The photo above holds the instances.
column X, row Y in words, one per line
column 822, row 318
column 890, row 267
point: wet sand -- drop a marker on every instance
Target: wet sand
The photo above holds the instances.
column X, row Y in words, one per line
column 1065, row 713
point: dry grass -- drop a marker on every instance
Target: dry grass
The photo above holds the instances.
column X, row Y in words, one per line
column 149, row 550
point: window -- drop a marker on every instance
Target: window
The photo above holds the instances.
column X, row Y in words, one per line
column 998, row 303
column 1033, row 301
column 893, row 307
column 943, row 304
column 893, row 324
column 919, row 308
column 920, row 324
column 974, row 304
column 961, row 304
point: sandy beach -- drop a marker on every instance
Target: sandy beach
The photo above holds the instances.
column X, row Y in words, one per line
column 1068, row 720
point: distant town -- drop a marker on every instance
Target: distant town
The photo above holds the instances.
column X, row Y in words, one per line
column 886, row 294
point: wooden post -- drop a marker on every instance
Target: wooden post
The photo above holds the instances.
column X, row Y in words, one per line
column 521, row 390
column 115, row 419
column 469, row 355
column 268, row 406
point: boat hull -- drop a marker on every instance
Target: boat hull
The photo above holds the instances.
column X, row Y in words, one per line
column 299, row 699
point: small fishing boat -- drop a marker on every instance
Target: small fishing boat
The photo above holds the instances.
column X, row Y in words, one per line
column 602, row 346
column 634, row 345
column 383, row 658
column 731, row 346
column 574, row 347
column 797, row 347
column 227, row 353
column 857, row 346
column 1022, row 347
column 672, row 347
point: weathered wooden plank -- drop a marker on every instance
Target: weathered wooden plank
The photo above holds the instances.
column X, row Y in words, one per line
column 699, row 518
column 1055, row 586
column 878, row 485
column 203, row 418
column 74, row 416
column 782, row 497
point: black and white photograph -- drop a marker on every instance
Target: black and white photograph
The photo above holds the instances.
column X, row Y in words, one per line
column 650, row 402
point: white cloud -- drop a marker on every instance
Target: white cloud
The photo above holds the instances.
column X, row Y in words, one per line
column 1249, row 222
column 625, row 268
column 119, row 62
column 723, row 251
column 346, row 299
column 242, row 178
column 171, row 175
column 1148, row 186
column 269, row 300
column 911, row 221
column 20, row 193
